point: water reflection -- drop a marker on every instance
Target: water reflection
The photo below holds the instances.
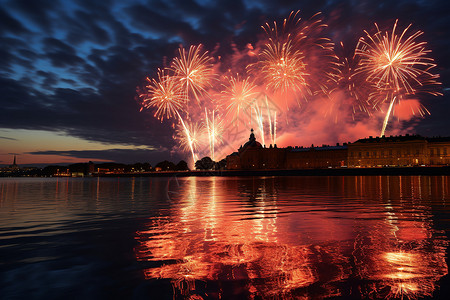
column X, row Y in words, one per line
column 298, row 237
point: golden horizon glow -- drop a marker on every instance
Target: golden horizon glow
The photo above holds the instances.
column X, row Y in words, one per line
column 22, row 141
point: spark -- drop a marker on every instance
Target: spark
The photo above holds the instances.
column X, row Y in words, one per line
column 165, row 95
column 239, row 95
column 260, row 121
column 280, row 64
column 356, row 89
column 397, row 65
column 193, row 136
column 188, row 136
column 282, row 67
column 194, row 71
column 215, row 127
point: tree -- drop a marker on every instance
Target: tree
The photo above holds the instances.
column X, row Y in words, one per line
column 182, row 166
column 206, row 163
column 166, row 165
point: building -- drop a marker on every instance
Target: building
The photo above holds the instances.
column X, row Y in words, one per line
column 253, row 156
column 439, row 151
column 409, row 150
column 399, row 151
column 393, row 151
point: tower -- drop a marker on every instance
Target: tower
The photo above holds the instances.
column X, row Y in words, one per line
column 14, row 166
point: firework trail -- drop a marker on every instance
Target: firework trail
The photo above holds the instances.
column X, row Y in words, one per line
column 397, row 65
column 260, row 121
column 215, row 128
column 166, row 96
column 272, row 124
column 270, row 121
column 194, row 71
column 275, row 128
column 188, row 137
column 193, row 136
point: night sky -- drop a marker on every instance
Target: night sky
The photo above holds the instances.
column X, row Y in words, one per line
column 70, row 69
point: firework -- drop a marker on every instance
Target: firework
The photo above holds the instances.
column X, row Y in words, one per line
column 356, row 89
column 319, row 53
column 282, row 67
column 272, row 124
column 397, row 65
column 239, row 95
column 165, row 95
column 260, row 121
column 275, row 128
column 215, row 128
column 190, row 138
column 193, row 70
column 280, row 64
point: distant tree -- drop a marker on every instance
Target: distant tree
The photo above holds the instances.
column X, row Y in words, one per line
column 147, row 166
column 206, row 163
column 182, row 166
column 166, row 165
column 111, row 166
column 140, row 167
column 79, row 168
column 52, row 169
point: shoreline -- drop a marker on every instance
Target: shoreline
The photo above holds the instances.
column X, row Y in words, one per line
column 388, row 171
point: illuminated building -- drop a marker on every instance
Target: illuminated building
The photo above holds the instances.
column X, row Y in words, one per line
column 398, row 151
column 394, row 151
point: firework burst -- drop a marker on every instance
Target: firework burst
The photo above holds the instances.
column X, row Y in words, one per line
column 397, row 65
column 194, row 71
column 281, row 68
column 238, row 96
column 320, row 59
column 355, row 88
column 164, row 94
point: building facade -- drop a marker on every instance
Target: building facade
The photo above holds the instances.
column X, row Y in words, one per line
column 393, row 151
column 399, row 151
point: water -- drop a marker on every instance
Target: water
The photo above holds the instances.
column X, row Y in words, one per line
column 230, row 238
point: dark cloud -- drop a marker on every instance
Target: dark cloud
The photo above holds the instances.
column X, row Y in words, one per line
column 50, row 79
column 36, row 11
column 127, row 156
column 84, row 27
column 153, row 22
column 8, row 24
column 7, row 138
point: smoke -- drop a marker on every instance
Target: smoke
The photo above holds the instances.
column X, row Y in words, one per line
column 325, row 105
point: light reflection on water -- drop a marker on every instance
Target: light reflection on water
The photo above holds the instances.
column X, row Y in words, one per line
column 299, row 237
column 218, row 237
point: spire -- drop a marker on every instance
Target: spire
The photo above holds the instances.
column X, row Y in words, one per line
column 14, row 163
column 252, row 136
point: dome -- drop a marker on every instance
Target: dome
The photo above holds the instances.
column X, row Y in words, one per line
column 252, row 142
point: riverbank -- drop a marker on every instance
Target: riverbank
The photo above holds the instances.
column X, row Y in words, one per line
column 394, row 171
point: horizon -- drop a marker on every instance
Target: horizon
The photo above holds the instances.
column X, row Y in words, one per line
column 37, row 165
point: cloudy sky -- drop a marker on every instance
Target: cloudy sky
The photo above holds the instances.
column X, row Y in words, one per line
column 69, row 69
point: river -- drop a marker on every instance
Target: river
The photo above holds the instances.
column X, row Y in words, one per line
column 225, row 237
